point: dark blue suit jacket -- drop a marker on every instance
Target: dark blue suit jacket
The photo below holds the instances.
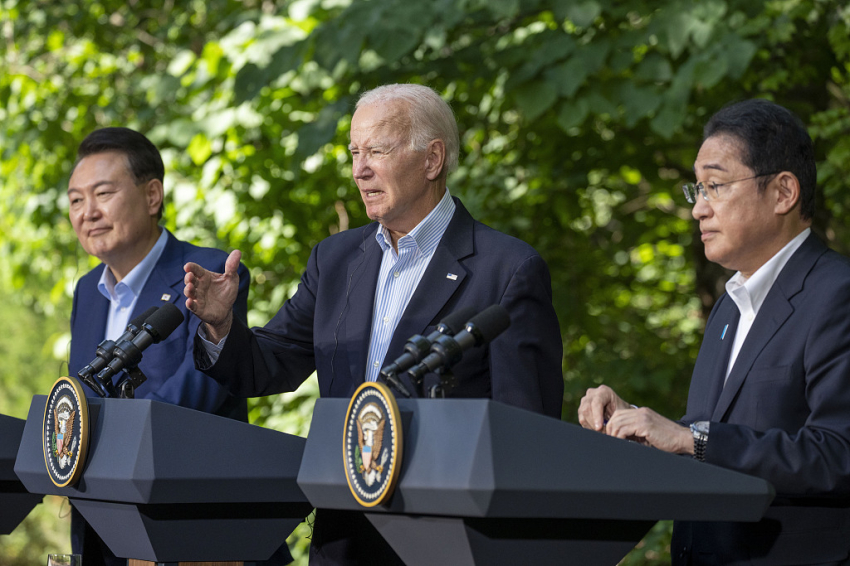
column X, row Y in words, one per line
column 171, row 375
column 169, row 366
column 783, row 415
column 326, row 327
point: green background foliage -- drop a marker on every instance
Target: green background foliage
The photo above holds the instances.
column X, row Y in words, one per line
column 579, row 121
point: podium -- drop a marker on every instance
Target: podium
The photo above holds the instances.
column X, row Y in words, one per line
column 164, row 483
column 485, row 483
column 15, row 501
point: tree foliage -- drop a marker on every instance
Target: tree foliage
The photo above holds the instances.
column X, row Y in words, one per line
column 579, row 119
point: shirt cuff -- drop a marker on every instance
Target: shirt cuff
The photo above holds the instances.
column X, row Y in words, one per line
column 213, row 350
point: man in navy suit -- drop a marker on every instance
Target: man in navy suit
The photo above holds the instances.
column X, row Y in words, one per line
column 366, row 291
column 115, row 195
column 770, row 392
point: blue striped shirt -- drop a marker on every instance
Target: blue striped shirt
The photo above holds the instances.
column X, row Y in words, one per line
column 400, row 274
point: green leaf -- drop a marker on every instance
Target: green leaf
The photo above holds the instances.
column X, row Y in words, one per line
column 654, row 68
column 504, row 8
column 568, row 77
column 572, row 113
column 249, row 81
column 678, row 28
column 638, row 102
column 535, row 98
column 393, row 44
column 582, row 14
column 200, row 149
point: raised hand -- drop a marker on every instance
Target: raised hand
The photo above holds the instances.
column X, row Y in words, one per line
column 210, row 296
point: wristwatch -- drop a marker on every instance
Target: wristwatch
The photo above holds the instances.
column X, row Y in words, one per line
column 700, row 431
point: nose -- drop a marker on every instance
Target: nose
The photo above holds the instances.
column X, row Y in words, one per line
column 91, row 211
column 701, row 208
column 360, row 167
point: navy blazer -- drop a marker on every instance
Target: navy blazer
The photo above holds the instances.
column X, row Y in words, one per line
column 169, row 366
column 326, row 325
column 783, row 415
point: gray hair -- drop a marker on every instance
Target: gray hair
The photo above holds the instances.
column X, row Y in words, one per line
column 430, row 117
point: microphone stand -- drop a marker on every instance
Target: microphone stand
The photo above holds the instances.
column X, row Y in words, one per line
column 127, row 386
column 393, row 381
column 447, row 382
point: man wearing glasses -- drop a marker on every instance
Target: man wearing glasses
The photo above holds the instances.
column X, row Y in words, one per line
column 770, row 392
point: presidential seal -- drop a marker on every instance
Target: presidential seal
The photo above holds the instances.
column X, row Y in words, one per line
column 372, row 444
column 65, row 432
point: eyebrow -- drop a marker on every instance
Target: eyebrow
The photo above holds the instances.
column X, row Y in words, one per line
column 96, row 185
column 713, row 166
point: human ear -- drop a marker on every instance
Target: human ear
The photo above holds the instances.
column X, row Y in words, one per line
column 154, row 195
column 787, row 188
column 435, row 159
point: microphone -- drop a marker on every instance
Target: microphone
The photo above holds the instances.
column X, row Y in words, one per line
column 447, row 350
column 104, row 353
column 418, row 346
column 155, row 329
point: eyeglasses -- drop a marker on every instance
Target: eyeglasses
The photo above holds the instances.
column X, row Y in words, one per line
column 691, row 189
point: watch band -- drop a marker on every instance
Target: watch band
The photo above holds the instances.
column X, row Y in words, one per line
column 700, row 431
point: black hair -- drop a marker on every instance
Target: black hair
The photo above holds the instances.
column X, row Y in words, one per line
column 143, row 156
column 773, row 139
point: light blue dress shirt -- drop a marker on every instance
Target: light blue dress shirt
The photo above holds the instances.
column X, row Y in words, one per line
column 122, row 295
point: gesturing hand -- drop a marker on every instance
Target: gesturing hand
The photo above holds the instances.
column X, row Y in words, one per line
column 210, row 296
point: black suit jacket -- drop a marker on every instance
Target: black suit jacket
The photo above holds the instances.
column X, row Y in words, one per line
column 783, row 415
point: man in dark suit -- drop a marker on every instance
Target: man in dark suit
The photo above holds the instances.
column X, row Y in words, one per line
column 115, row 195
column 770, row 393
column 366, row 291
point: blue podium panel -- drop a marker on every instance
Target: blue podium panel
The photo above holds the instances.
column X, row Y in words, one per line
column 167, row 484
column 486, row 483
column 15, row 502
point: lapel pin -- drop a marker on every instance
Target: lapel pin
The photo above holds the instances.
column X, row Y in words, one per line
column 451, row 276
column 725, row 328
column 165, row 297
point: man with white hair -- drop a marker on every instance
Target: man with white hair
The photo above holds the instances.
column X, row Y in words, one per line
column 367, row 290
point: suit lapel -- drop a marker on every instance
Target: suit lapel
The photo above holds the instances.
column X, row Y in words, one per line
column 165, row 283
column 774, row 312
column 90, row 327
column 436, row 286
column 361, row 281
column 729, row 317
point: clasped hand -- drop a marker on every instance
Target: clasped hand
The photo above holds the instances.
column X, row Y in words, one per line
column 602, row 410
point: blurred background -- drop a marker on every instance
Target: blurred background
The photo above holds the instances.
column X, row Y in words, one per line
column 579, row 122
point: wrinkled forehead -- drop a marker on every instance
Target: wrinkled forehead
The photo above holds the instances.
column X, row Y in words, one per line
column 380, row 123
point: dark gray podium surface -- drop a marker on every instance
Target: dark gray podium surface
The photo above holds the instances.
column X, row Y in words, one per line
column 168, row 484
column 15, row 501
column 482, row 482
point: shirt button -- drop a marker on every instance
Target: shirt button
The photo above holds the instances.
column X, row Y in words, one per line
column 396, row 274
column 386, row 319
column 750, row 317
column 376, row 363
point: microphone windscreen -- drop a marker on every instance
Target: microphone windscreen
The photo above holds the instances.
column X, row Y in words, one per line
column 491, row 322
column 164, row 321
column 140, row 320
column 455, row 322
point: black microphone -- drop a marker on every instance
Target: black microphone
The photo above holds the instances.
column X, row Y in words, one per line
column 155, row 329
column 418, row 346
column 448, row 350
column 105, row 351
